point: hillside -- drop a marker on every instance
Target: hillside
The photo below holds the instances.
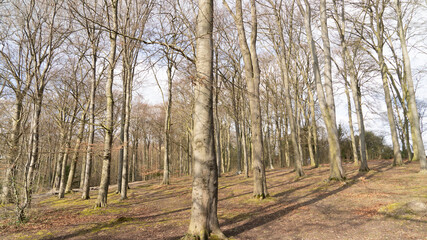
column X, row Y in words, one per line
column 386, row 203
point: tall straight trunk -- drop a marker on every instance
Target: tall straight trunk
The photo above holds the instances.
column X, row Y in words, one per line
column 76, row 152
column 244, row 148
column 59, row 158
column 350, row 123
column 313, row 126
column 87, row 166
column 395, row 141
column 379, row 34
column 268, row 133
column 336, row 170
column 82, row 172
column 236, row 111
column 217, row 122
column 181, row 165
column 65, row 157
column 135, row 160
column 122, row 133
column 327, row 73
column 419, row 151
column 218, row 139
column 228, row 144
column 286, row 136
column 34, row 148
column 204, row 220
column 288, row 104
column 408, row 144
column 64, row 167
column 357, row 99
column 223, row 152
column 126, row 134
column 279, row 140
column 252, row 73
column 12, row 155
column 167, row 127
column 355, row 89
column 108, row 139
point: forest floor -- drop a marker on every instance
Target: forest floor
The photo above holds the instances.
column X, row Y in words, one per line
column 385, row 203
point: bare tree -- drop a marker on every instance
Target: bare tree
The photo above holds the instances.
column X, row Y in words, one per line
column 328, row 111
column 108, row 125
column 252, row 74
column 204, row 220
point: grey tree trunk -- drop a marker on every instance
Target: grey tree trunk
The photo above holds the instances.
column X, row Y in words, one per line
column 76, row 153
column 167, row 127
column 108, row 126
column 236, row 111
column 288, row 104
column 355, row 89
column 350, row 123
column 252, row 73
column 34, row 148
column 59, row 159
column 419, row 152
column 379, row 34
column 122, row 131
column 204, row 220
column 12, row 155
column 336, row 170
column 87, row 166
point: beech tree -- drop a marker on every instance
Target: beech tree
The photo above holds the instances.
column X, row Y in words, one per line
column 204, row 219
column 252, row 74
column 324, row 93
column 112, row 17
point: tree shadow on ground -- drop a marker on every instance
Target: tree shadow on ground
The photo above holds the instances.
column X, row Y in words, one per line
column 267, row 218
column 98, row 227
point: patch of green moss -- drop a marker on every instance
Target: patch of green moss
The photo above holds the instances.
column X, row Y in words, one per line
column 102, row 211
column 64, row 202
column 395, row 209
column 256, row 200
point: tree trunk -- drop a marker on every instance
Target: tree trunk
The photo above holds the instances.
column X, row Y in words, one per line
column 204, row 220
column 12, row 155
column 328, row 112
column 108, row 140
column 350, row 123
column 87, row 166
column 34, row 150
column 167, row 127
column 59, row 160
column 76, row 152
column 379, row 33
column 355, row 89
column 419, row 152
column 252, row 73
column 126, row 135
column 122, row 131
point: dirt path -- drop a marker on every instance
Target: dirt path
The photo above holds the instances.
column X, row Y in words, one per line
column 386, row 203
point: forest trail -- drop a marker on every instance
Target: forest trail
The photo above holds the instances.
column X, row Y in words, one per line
column 385, row 203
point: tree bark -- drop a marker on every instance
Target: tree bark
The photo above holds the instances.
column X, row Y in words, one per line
column 379, row 34
column 108, row 139
column 336, row 171
column 167, row 127
column 419, row 152
column 13, row 152
column 204, row 220
column 252, row 73
column 76, row 152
